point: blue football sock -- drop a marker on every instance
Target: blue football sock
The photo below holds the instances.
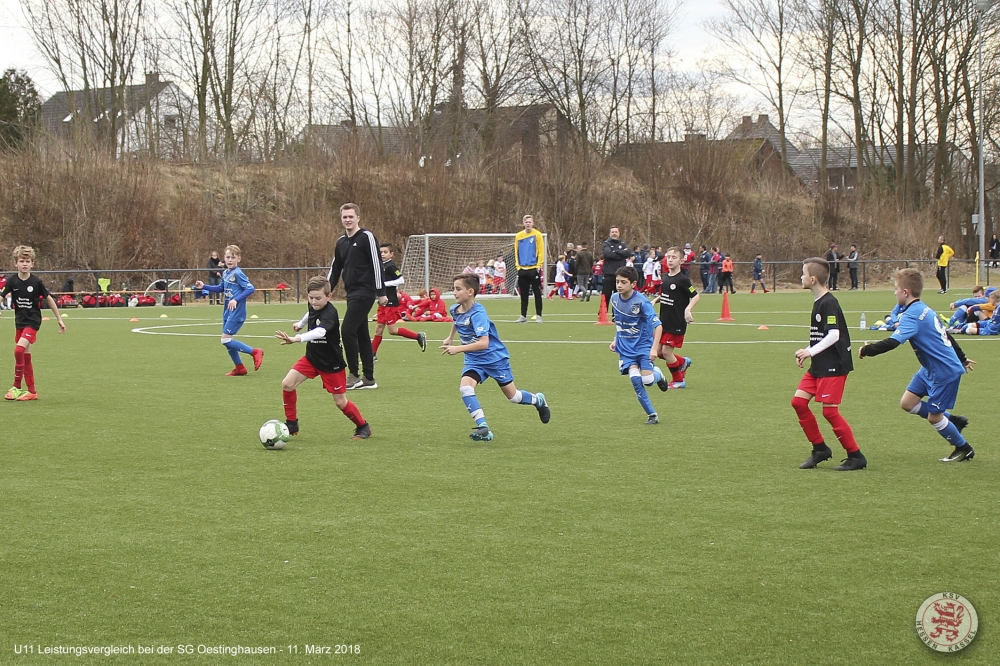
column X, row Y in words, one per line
column 922, row 409
column 524, row 398
column 640, row 392
column 948, row 430
column 240, row 346
column 472, row 404
column 235, row 355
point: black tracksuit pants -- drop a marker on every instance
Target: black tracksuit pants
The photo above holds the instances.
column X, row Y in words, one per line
column 354, row 334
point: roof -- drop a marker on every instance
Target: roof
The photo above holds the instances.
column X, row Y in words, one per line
column 393, row 140
column 63, row 109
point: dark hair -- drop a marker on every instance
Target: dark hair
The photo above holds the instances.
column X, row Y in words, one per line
column 818, row 268
column 628, row 272
column 388, row 245
column 468, row 280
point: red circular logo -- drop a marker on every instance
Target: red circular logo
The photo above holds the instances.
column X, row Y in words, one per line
column 947, row 622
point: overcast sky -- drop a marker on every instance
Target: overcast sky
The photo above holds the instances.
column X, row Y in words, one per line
column 689, row 41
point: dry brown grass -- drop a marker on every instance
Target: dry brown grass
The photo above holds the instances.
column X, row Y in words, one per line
column 83, row 210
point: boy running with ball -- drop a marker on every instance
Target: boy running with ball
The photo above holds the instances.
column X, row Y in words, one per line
column 637, row 331
column 485, row 357
column 830, row 351
column 323, row 358
column 27, row 292
column 941, row 359
column 235, row 288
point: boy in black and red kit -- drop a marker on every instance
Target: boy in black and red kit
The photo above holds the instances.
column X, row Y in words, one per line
column 830, row 350
column 677, row 298
column 388, row 315
column 27, row 294
column 323, row 359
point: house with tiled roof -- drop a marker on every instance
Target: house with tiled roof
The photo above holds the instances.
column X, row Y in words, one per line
column 147, row 118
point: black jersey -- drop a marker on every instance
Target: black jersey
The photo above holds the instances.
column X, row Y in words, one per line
column 325, row 354
column 356, row 259
column 675, row 295
column 390, row 274
column 26, row 300
column 835, row 360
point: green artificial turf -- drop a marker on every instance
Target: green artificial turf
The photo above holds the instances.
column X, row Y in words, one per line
column 139, row 509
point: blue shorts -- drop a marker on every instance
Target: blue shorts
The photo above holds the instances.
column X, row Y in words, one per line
column 500, row 371
column 940, row 397
column 758, row 277
column 626, row 362
column 232, row 325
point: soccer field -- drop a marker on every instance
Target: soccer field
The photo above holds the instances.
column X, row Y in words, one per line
column 140, row 510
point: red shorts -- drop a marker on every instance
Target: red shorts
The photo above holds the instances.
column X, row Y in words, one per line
column 388, row 314
column 828, row 390
column 672, row 340
column 497, row 280
column 28, row 333
column 334, row 382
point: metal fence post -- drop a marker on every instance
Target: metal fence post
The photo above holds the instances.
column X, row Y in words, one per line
column 774, row 277
column 864, row 275
column 298, row 283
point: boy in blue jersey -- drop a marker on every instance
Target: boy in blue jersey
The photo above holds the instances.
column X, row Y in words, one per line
column 962, row 306
column 235, row 288
column 942, row 364
column 990, row 325
column 485, row 357
column 637, row 328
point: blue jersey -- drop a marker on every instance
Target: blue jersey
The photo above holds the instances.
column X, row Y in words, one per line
column 920, row 326
column 471, row 326
column 635, row 321
column 758, row 268
column 235, row 286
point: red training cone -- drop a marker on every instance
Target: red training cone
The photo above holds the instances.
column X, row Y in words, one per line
column 726, row 315
column 602, row 316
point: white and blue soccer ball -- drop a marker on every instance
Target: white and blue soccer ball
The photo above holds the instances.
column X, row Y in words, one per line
column 274, row 435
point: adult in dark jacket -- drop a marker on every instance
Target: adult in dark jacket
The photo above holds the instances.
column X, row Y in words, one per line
column 615, row 254
column 994, row 252
column 357, row 260
column 704, row 259
column 215, row 268
column 852, row 266
column 584, row 267
column 833, row 258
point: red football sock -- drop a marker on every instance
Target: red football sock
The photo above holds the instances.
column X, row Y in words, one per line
column 807, row 420
column 407, row 333
column 841, row 428
column 376, row 341
column 288, row 400
column 351, row 411
column 29, row 373
column 18, row 365
column 675, row 369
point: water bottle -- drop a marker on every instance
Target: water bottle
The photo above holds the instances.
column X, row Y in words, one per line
column 864, row 322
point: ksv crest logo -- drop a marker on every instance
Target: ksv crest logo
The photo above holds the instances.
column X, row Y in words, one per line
column 947, row 622
column 635, row 309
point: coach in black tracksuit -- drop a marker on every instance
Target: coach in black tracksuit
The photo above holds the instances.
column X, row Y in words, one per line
column 357, row 259
column 615, row 252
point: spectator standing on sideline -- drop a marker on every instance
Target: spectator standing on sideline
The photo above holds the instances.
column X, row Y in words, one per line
column 584, row 265
column 852, row 266
column 994, row 252
column 356, row 258
column 713, row 271
column 215, row 267
column 704, row 259
column 571, row 261
column 615, row 252
column 943, row 256
column 529, row 257
column 833, row 258
column 687, row 260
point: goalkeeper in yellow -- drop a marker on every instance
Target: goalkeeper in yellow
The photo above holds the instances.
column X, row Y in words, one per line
column 529, row 257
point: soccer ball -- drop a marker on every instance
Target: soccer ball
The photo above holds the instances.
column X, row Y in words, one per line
column 274, row 435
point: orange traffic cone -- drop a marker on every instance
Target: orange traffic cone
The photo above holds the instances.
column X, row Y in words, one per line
column 602, row 316
column 726, row 315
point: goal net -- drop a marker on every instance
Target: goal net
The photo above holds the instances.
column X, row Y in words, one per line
column 432, row 260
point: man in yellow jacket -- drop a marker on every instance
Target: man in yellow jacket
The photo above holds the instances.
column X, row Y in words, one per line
column 943, row 256
column 529, row 257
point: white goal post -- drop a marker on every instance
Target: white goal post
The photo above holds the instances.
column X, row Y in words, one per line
column 432, row 260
